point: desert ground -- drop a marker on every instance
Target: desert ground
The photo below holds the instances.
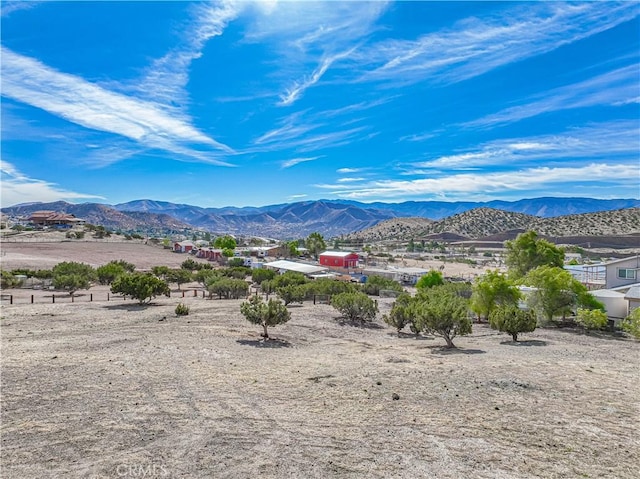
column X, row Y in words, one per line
column 113, row 389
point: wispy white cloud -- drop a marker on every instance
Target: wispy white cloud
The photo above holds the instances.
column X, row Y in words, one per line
column 164, row 81
column 78, row 101
column 474, row 46
column 310, row 37
column 494, row 184
column 598, row 141
column 296, row 197
column 296, row 161
column 349, row 170
column 614, row 88
column 8, row 7
column 350, row 179
column 18, row 188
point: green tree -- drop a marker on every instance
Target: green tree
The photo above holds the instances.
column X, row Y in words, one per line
column 441, row 311
column 289, row 278
column 557, row 292
column 401, row 313
column 235, row 262
column 315, row 244
column 141, row 286
column 227, row 288
column 179, row 276
column 107, row 273
column 225, row 242
column 190, row 264
column 293, row 249
column 72, row 276
column 631, row 324
column 491, row 290
column 160, row 271
column 375, row 284
column 8, row 280
column 510, row 319
column 355, row 306
column 259, row 275
column 203, row 275
column 429, row 280
column 291, row 294
column 266, row 314
column 527, row 252
column 227, row 252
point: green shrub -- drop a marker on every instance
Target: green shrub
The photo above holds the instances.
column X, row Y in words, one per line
column 355, row 306
column 375, row 283
column 266, row 314
column 291, row 294
column 401, row 314
column 141, row 286
column 591, row 318
column 510, row 319
column 9, row 280
column 261, row 274
column 442, row 311
column 429, row 280
column 182, row 309
column 631, row 324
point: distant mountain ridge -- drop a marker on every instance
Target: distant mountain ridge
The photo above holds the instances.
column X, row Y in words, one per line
column 331, row 218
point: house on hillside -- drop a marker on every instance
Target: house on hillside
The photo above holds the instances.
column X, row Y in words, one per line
column 183, row 246
column 339, row 259
column 54, row 219
column 612, row 274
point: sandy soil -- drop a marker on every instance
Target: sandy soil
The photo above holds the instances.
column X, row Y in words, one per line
column 104, row 390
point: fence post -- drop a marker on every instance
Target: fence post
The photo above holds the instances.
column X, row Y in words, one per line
column 195, row 293
column 90, row 297
column 72, row 298
column 203, row 295
column 53, row 298
column 314, row 299
column 183, row 293
column 31, row 299
column 107, row 296
column 11, row 299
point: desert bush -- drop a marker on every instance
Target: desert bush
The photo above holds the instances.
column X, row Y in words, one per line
column 355, row 306
column 375, row 283
column 512, row 320
column 261, row 274
column 266, row 314
column 329, row 287
column 178, row 276
column 227, row 288
column 631, row 324
column 291, row 294
column 429, row 280
column 237, row 272
column 591, row 318
column 182, row 309
column 8, row 280
column 401, row 314
column 72, row 276
column 190, row 264
column 441, row 311
column 141, row 286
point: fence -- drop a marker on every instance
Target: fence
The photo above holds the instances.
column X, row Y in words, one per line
column 65, row 298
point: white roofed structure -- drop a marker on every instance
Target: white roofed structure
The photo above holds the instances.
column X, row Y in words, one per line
column 304, row 268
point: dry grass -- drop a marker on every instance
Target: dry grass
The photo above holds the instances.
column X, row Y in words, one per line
column 98, row 390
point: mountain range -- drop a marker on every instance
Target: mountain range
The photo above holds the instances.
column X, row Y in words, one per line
column 331, row 218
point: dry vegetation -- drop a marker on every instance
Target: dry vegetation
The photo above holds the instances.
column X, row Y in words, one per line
column 91, row 390
column 483, row 222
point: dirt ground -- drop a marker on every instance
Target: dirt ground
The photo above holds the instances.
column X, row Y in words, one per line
column 113, row 389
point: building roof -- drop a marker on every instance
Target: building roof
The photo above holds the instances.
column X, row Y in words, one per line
column 606, row 293
column 303, row 268
column 185, row 243
column 620, row 260
column 339, row 254
column 633, row 293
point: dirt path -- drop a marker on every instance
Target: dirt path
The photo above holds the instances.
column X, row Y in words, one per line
column 109, row 390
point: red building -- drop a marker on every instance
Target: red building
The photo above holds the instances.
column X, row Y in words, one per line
column 339, row 259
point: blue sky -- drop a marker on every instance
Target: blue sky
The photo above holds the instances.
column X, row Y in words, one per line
column 257, row 103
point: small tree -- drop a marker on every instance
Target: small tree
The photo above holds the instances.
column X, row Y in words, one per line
column 528, row 252
column 225, row 242
column 160, row 271
column 491, row 290
column 442, row 312
column 591, row 318
column 72, row 276
column 260, row 274
column 315, row 244
column 266, row 314
column 510, row 319
column 109, row 272
column 375, row 284
column 179, row 276
column 190, row 264
column 9, row 280
column 235, row 262
column 401, row 313
column 355, row 306
column 631, row 324
column 141, row 286
column 429, row 280
column 291, row 294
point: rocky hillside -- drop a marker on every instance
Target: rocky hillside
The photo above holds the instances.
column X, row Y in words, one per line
column 487, row 222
